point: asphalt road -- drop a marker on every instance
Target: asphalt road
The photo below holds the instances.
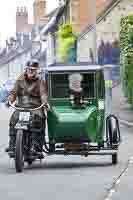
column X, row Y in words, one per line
column 63, row 178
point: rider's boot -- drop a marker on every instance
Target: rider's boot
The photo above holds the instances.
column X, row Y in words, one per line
column 12, row 141
column 37, row 147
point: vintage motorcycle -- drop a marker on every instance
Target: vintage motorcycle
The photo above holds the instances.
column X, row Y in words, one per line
column 24, row 151
column 77, row 123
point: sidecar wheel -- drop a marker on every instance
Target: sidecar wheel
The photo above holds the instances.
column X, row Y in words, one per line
column 19, row 152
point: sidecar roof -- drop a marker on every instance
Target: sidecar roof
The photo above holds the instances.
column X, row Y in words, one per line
column 73, row 67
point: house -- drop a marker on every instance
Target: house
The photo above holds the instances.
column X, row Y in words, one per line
column 18, row 51
column 108, row 27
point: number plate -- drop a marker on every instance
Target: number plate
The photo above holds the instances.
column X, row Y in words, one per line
column 20, row 126
column 24, row 116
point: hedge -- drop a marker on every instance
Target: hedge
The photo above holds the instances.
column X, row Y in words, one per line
column 126, row 47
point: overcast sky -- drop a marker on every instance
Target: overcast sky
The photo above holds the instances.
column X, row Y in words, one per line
column 8, row 12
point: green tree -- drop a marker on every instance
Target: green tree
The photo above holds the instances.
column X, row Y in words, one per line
column 126, row 46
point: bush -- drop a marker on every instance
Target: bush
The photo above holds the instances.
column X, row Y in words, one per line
column 126, row 46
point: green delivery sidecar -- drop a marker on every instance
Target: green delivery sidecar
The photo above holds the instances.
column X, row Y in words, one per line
column 76, row 121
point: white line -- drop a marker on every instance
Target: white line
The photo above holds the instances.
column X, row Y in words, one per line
column 116, row 183
column 126, row 122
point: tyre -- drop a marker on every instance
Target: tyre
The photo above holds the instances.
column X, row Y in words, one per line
column 19, row 152
column 115, row 136
column 113, row 132
column 114, row 158
column 110, row 131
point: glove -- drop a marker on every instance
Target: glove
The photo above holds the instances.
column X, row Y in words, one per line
column 47, row 106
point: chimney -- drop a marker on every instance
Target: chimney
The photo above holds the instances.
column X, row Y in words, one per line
column 39, row 11
column 21, row 19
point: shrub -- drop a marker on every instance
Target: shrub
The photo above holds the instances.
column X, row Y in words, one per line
column 126, row 46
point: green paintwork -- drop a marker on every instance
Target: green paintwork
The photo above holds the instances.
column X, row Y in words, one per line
column 67, row 123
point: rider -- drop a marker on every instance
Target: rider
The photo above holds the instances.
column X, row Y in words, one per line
column 28, row 92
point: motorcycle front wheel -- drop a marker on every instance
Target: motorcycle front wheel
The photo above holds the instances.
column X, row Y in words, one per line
column 19, row 152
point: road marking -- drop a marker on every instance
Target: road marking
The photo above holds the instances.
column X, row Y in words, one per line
column 125, row 122
column 117, row 181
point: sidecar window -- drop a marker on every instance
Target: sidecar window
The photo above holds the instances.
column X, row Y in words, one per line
column 88, row 85
column 60, row 85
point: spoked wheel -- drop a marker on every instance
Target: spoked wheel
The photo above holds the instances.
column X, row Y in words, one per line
column 19, row 153
column 114, row 158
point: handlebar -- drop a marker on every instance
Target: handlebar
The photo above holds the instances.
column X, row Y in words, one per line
column 28, row 109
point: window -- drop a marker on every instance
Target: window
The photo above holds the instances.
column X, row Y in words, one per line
column 60, row 85
column 101, row 85
column 88, row 85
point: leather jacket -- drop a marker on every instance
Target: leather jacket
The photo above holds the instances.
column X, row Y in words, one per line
column 29, row 93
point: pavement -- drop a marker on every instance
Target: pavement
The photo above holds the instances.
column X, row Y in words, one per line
column 121, row 108
column 122, row 186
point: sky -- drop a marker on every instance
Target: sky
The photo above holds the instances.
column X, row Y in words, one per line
column 8, row 13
